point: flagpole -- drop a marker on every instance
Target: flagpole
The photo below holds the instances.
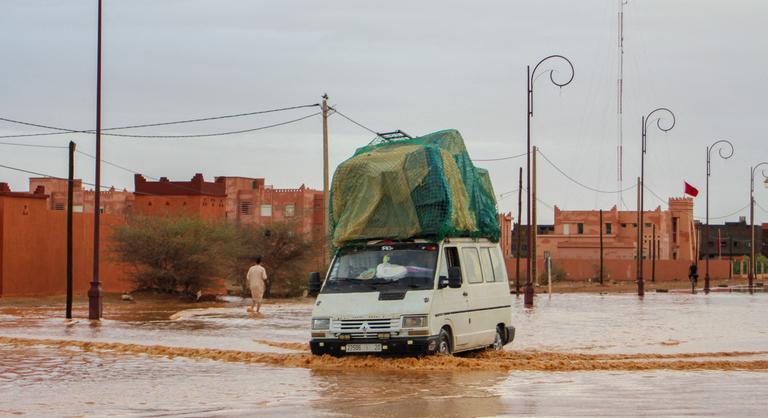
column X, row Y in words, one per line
column 729, row 153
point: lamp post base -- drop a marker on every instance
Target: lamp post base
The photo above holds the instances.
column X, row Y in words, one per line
column 640, row 286
column 528, row 295
column 706, row 284
column 94, row 301
column 751, row 279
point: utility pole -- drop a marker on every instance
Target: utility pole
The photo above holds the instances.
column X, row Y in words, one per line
column 653, row 256
column 70, row 195
column 530, row 271
column 519, row 232
column 534, row 224
column 639, row 256
column 724, row 156
column 94, row 293
column 641, row 183
column 601, row 247
column 326, row 185
column 752, row 221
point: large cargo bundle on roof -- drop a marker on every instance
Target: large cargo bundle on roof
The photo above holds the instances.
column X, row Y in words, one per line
column 422, row 187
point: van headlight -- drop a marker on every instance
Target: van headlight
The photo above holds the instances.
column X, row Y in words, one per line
column 321, row 323
column 415, row 321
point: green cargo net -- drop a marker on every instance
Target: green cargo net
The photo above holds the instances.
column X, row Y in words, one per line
column 423, row 187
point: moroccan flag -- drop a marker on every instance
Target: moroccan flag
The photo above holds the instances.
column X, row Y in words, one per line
column 690, row 190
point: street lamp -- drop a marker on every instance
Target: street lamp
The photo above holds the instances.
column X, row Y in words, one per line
column 645, row 121
column 726, row 146
column 752, row 218
column 528, row 293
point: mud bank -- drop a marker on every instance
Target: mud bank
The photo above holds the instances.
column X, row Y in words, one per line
column 500, row 361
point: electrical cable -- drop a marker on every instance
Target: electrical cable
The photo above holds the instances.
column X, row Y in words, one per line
column 580, row 183
column 500, row 159
column 18, row 144
column 146, row 125
column 353, row 121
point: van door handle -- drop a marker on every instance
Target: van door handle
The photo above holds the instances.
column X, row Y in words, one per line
column 465, row 294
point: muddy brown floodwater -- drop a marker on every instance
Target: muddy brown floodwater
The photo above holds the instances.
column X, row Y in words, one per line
column 574, row 355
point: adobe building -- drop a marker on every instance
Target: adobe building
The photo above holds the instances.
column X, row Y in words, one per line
column 196, row 198
column 576, row 234
column 33, row 247
column 251, row 201
column 112, row 201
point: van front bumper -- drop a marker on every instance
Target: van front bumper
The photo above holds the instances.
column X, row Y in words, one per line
column 398, row 345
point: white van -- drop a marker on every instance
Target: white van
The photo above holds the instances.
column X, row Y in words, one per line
column 415, row 297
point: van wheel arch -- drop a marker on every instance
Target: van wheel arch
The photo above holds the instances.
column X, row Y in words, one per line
column 503, row 328
column 448, row 330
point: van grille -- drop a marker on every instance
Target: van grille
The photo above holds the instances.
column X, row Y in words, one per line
column 365, row 328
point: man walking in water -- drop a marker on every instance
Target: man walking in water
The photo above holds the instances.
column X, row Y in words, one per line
column 256, row 279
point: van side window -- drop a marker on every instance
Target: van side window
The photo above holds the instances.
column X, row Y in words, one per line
column 485, row 262
column 473, row 269
column 498, row 266
column 450, row 259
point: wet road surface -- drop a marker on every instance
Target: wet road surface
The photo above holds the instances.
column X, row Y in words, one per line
column 690, row 354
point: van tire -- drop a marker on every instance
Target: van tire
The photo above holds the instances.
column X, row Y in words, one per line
column 444, row 343
column 498, row 341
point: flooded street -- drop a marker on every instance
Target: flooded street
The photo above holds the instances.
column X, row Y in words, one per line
column 574, row 354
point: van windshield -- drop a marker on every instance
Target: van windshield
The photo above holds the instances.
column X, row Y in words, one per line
column 383, row 267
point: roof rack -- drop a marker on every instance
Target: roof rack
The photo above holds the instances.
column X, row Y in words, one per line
column 394, row 135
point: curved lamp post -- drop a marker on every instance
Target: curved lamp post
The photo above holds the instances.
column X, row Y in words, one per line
column 752, row 219
column 528, row 293
column 725, row 151
column 656, row 115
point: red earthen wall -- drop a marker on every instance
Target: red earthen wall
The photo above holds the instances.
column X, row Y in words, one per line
column 33, row 250
column 621, row 270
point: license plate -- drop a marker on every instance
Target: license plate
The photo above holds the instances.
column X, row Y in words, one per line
column 363, row 348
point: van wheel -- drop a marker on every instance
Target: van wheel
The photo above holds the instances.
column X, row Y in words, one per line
column 444, row 343
column 498, row 342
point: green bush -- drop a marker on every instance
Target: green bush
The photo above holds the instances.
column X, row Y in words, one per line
column 185, row 255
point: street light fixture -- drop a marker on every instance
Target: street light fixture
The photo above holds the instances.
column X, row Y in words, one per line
column 528, row 293
column 752, row 218
column 726, row 146
column 645, row 121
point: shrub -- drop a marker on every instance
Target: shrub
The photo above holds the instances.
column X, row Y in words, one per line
column 171, row 254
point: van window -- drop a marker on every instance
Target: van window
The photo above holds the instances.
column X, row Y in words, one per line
column 473, row 269
column 499, row 268
column 485, row 261
column 450, row 259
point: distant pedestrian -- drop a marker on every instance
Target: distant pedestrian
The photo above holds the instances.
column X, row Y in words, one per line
column 257, row 278
column 693, row 276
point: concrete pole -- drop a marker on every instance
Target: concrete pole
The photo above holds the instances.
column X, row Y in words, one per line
column 653, row 256
column 601, row 248
column 519, row 232
column 326, row 185
column 70, row 194
column 534, row 223
column 94, row 293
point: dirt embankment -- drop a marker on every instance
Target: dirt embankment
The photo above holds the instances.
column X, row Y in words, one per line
column 501, row 361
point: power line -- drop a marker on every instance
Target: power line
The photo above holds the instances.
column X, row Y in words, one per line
column 353, row 121
column 46, row 175
column 500, row 159
column 580, row 183
column 19, row 144
column 146, row 125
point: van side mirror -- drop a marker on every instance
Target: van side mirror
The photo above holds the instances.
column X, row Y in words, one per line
column 454, row 277
column 314, row 283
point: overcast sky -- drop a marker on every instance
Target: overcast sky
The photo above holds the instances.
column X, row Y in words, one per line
column 419, row 66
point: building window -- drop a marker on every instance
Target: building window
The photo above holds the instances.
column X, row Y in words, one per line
column 674, row 230
column 58, row 206
column 608, row 228
column 648, row 225
column 266, row 210
column 566, row 230
column 290, row 210
column 245, row 208
column 623, row 225
column 580, row 228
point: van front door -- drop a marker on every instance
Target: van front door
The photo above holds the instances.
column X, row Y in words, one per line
column 452, row 304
